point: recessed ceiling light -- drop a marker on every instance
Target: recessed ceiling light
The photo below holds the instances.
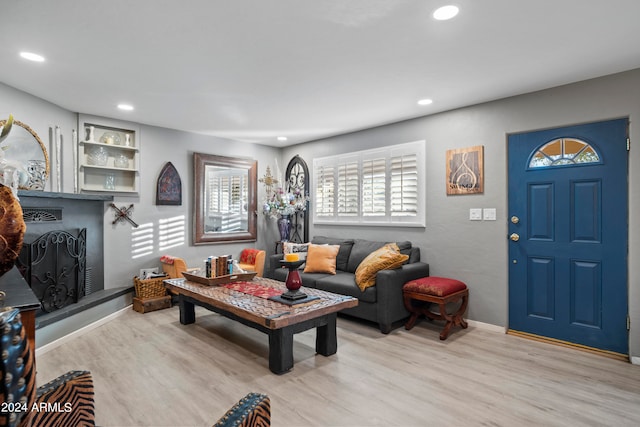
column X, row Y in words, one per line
column 445, row 12
column 125, row 107
column 425, row 101
column 282, row 138
column 32, row 56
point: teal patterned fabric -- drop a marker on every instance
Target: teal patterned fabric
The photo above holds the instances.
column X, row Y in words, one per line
column 17, row 388
column 253, row 410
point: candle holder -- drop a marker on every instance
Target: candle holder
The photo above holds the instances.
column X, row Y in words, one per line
column 293, row 282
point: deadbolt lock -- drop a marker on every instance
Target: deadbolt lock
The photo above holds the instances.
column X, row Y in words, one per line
column 515, row 219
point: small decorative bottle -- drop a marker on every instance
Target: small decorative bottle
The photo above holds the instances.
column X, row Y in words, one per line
column 127, row 140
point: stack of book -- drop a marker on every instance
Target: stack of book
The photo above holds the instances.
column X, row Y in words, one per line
column 218, row 266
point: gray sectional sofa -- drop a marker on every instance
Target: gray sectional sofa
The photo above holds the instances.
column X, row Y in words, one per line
column 381, row 303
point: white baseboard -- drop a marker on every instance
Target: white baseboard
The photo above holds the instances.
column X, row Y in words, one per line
column 487, row 326
column 48, row 347
column 635, row 360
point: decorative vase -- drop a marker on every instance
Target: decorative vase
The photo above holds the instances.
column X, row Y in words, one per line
column 121, row 161
column 284, row 227
column 110, row 182
column 37, row 174
column 12, row 228
column 91, row 131
column 97, row 156
column 110, row 138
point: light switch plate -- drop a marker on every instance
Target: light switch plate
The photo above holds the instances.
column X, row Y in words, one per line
column 475, row 214
column 489, row 214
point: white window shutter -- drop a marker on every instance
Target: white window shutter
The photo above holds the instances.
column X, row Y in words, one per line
column 324, row 191
column 374, row 187
column 404, row 185
column 348, row 189
column 382, row 186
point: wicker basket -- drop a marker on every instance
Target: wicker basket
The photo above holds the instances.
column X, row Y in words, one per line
column 150, row 288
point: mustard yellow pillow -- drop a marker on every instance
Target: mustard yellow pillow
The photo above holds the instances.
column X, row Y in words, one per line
column 321, row 259
column 385, row 258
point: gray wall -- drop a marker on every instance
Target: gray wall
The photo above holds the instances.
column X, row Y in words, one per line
column 158, row 146
column 473, row 251
column 476, row 251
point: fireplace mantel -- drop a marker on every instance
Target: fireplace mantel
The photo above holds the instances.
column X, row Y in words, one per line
column 70, row 196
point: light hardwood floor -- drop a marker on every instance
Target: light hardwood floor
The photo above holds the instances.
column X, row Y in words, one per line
column 149, row 370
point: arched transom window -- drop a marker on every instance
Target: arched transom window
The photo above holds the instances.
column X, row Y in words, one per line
column 564, row 151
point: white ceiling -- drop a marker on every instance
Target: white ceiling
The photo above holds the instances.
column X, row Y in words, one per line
column 252, row 70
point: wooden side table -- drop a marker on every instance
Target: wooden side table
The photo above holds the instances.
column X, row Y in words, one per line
column 19, row 295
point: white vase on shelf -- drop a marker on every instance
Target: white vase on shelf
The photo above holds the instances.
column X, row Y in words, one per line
column 91, row 130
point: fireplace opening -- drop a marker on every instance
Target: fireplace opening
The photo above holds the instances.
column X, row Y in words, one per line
column 54, row 266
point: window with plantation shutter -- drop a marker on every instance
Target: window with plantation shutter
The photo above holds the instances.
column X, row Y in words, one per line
column 324, row 191
column 213, row 187
column 404, row 185
column 374, row 187
column 227, row 198
column 382, row 186
column 225, row 195
column 235, row 203
column 348, row 189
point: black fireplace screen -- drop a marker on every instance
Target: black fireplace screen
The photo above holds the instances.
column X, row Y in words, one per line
column 54, row 266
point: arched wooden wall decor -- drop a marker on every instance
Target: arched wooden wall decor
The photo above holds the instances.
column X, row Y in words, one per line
column 169, row 190
column 297, row 176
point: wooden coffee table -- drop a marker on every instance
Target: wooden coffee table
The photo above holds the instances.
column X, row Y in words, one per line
column 279, row 321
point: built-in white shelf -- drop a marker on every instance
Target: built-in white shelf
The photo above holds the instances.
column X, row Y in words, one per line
column 108, row 156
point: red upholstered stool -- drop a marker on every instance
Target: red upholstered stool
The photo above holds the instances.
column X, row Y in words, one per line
column 438, row 290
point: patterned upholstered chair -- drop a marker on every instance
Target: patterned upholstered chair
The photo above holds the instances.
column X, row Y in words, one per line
column 65, row 401
column 252, row 260
column 253, row 410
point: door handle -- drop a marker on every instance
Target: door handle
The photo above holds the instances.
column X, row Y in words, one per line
column 515, row 237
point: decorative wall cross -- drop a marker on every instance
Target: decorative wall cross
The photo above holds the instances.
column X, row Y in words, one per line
column 122, row 214
column 269, row 181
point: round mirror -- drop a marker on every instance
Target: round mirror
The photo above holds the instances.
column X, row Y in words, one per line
column 24, row 147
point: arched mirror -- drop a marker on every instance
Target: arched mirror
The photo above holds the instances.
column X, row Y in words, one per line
column 225, row 199
column 23, row 147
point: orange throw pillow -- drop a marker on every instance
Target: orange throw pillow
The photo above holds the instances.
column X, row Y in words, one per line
column 321, row 259
column 385, row 258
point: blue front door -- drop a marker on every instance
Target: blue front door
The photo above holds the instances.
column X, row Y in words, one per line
column 568, row 226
